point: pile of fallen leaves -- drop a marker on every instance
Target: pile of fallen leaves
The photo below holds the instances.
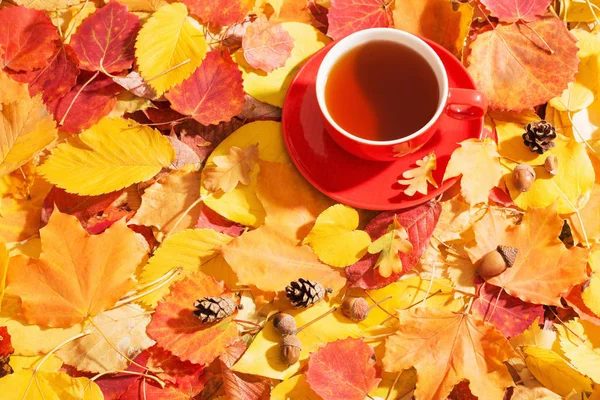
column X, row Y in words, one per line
column 158, row 243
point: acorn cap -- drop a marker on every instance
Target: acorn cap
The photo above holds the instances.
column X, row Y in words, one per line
column 509, row 254
column 284, row 323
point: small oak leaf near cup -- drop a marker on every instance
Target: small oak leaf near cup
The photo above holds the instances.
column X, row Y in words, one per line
column 418, row 178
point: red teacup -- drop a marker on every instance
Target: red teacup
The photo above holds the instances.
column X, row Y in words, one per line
column 454, row 102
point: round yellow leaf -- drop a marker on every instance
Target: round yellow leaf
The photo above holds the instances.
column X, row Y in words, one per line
column 48, row 386
column 241, row 204
column 570, row 186
column 334, row 238
column 272, row 87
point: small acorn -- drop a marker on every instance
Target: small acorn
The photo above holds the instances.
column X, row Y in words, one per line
column 284, row 323
column 355, row 308
column 290, row 349
column 551, row 164
column 523, row 177
column 497, row 261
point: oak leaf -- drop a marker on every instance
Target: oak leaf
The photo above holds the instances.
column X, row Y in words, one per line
column 514, row 67
column 168, row 200
column 107, row 157
column 510, row 315
column 580, row 342
column 343, row 370
column 220, row 12
column 123, row 327
column 436, row 20
column 27, row 38
column 266, row 45
column 77, row 275
column 177, row 330
column 517, row 10
column 104, row 41
column 419, row 222
column 213, row 93
column 26, row 128
column 544, row 269
column 349, row 16
column 335, row 239
column 389, row 246
column 479, row 164
column 165, row 44
column 447, row 347
column 554, row 372
column 230, row 169
column 418, row 178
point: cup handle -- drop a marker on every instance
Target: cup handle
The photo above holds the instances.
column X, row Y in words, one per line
column 465, row 103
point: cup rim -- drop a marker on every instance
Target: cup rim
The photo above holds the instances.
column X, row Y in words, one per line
column 385, row 34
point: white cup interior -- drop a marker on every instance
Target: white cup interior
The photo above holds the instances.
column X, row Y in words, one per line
column 358, row 38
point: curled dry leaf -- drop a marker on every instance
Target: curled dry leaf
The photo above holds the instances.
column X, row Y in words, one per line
column 266, row 45
column 418, row 178
column 389, row 246
column 230, row 169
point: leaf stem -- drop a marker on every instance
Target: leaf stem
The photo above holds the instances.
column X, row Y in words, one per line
column 393, row 386
column 585, row 237
column 298, row 330
column 126, row 300
column 62, row 121
column 379, row 306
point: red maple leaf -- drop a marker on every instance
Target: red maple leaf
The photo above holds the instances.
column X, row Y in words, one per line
column 27, row 37
column 343, row 370
column 214, row 93
column 349, row 16
column 105, row 40
column 515, row 10
column 419, row 222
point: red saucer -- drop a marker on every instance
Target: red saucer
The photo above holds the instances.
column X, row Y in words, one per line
column 351, row 180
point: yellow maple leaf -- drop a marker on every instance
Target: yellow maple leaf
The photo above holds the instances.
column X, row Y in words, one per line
column 26, row 128
column 580, row 341
column 417, row 178
column 168, row 199
column 109, row 156
column 478, row 163
column 230, row 169
column 169, row 47
column 334, row 237
column 446, row 348
column 77, row 275
column 48, row 385
column 591, row 294
column 192, row 250
column 389, row 245
column 554, row 372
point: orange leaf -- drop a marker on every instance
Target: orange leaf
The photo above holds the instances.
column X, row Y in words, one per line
column 267, row 46
column 77, row 275
column 447, row 347
column 213, row 93
column 244, row 386
column 176, row 329
column 343, row 370
column 231, row 169
column 544, row 269
column 517, row 70
column 105, row 40
column 219, row 12
column 349, row 16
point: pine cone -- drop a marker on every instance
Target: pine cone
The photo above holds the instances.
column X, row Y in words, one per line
column 305, row 293
column 539, row 136
column 214, row 309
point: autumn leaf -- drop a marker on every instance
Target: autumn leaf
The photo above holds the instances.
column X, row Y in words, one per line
column 544, row 269
column 389, row 247
column 419, row 222
column 266, row 45
column 143, row 5
column 467, row 347
column 164, row 44
column 418, row 178
column 125, row 327
column 580, row 344
column 517, row 10
column 26, row 128
column 11, row 89
column 334, row 237
column 436, row 20
column 510, row 315
column 513, row 66
column 295, row 387
column 534, row 336
column 104, row 41
column 554, row 372
column 343, row 370
column 176, row 329
column 58, row 385
column 587, row 215
column 244, row 386
column 591, row 294
column 213, row 93
column 221, row 12
column 77, row 275
column 230, row 169
column 479, row 164
column 27, row 38
column 3, row 271
column 349, row 16
column 109, row 149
